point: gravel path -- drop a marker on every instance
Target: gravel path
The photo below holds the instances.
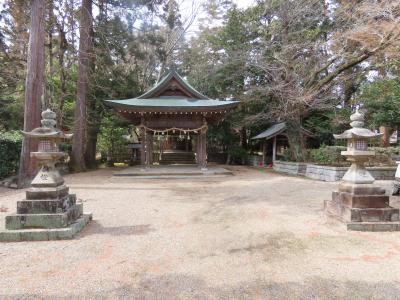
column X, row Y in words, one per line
column 255, row 235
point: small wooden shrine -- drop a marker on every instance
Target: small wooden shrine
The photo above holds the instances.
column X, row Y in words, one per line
column 277, row 134
column 175, row 113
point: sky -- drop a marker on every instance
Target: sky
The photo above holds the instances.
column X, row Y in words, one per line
column 186, row 7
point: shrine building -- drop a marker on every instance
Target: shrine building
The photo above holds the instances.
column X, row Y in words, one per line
column 173, row 118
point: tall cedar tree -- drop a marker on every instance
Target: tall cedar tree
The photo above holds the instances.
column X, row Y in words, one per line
column 34, row 87
column 82, row 94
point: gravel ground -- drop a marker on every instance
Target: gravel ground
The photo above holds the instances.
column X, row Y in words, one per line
column 254, row 235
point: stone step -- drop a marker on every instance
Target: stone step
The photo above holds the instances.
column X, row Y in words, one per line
column 361, row 189
column 363, row 226
column 177, row 159
column 388, row 214
column 183, row 158
column 374, row 226
column 361, row 201
column 348, row 214
column 180, row 154
column 177, row 162
column 44, row 206
column 46, row 234
column 57, row 220
column 47, row 192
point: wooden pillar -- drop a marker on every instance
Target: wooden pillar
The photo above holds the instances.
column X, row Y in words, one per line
column 274, row 150
column 150, row 148
column 202, row 148
column 143, row 150
column 264, row 151
column 198, row 149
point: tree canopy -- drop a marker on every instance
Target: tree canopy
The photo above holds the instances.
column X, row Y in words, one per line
column 301, row 62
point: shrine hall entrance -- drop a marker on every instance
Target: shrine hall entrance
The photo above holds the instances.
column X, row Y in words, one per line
column 175, row 149
column 179, row 143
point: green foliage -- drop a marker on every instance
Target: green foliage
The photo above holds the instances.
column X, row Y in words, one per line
column 331, row 155
column 324, row 123
column 111, row 141
column 238, row 154
column 10, row 149
column 327, row 155
column 272, row 56
column 221, row 137
column 384, row 155
column 381, row 98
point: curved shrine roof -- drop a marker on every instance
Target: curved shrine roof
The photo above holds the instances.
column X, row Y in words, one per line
column 171, row 102
column 172, row 93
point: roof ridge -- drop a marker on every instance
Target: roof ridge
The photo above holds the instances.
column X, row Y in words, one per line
column 161, row 84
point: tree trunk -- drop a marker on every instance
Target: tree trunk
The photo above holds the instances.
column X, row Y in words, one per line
column 93, row 123
column 296, row 141
column 33, row 87
column 80, row 125
column 91, row 141
column 63, row 89
column 385, row 138
column 48, row 100
column 243, row 138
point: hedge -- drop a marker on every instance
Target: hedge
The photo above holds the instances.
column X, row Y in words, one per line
column 330, row 155
column 10, row 149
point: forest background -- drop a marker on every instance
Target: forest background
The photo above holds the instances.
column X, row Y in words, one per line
column 304, row 62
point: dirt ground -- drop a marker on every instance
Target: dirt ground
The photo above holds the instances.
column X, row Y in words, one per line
column 254, row 235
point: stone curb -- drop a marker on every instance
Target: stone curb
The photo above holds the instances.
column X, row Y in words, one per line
column 46, row 234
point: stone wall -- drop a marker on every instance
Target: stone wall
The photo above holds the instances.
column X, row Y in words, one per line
column 254, row 160
column 292, row 168
column 329, row 173
column 383, row 173
column 325, row 173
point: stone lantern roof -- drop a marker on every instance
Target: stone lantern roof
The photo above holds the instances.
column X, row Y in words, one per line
column 357, row 130
column 48, row 129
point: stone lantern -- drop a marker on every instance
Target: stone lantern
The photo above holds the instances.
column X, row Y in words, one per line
column 359, row 203
column 49, row 211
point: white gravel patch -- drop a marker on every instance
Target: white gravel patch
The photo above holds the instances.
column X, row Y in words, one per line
column 255, row 235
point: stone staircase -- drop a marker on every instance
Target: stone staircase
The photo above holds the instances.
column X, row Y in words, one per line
column 178, row 158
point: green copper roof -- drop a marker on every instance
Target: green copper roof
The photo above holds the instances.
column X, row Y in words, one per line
column 170, row 101
column 155, row 99
column 163, row 82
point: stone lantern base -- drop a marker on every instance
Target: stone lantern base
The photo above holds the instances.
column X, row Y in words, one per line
column 49, row 212
column 362, row 207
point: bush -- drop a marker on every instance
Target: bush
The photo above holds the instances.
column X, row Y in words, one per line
column 327, row 155
column 238, row 154
column 10, row 150
column 330, row 155
column 384, row 156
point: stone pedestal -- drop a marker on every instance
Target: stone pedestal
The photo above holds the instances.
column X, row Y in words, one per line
column 363, row 207
column 48, row 212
